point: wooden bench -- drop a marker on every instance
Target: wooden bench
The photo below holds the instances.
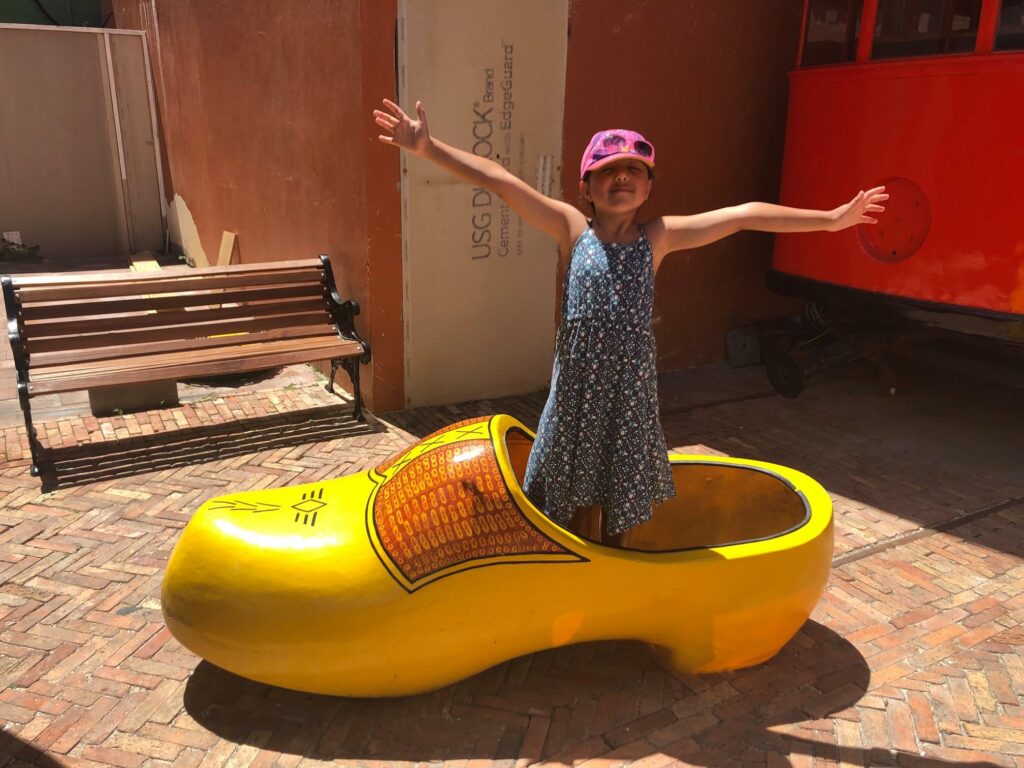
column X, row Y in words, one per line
column 88, row 330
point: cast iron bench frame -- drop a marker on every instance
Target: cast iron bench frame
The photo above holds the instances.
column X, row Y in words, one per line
column 87, row 330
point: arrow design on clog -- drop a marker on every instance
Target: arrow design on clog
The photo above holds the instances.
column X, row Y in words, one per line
column 236, row 505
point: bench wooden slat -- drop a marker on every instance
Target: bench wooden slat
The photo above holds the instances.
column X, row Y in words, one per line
column 177, row 358
column 183, row 319
column 44, row 359
column 93, row 340
column 175, row 371
column 110, row 306
column 22, row 282
column 150, row 286
column 114, row 328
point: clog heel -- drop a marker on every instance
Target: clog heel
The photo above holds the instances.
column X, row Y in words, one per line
column 434, row 566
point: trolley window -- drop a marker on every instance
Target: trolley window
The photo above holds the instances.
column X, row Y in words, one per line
column 1010, row 34
column 925, row 27
column 831, row 34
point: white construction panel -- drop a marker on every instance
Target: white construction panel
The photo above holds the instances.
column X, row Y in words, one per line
column 480, row 288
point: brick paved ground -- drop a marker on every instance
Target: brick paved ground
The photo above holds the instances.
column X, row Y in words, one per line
column 913, row 657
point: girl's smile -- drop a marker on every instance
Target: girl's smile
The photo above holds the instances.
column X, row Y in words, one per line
column 618, row 187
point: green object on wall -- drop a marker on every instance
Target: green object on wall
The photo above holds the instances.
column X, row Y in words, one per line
column 66, row 13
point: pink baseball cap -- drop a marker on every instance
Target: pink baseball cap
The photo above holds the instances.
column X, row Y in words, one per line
column 608, row 146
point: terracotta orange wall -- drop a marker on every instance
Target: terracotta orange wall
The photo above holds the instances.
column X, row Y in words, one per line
column 706, row 82
column 264, row 116
column 264, row 113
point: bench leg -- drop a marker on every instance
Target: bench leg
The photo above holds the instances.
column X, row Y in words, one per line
column 334, row 372
column 33, row 445
column 351, row 366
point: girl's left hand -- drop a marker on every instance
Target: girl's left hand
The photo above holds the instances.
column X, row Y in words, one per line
column 856, row 211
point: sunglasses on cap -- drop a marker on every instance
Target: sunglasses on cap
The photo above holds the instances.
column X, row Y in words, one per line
column 617, row 144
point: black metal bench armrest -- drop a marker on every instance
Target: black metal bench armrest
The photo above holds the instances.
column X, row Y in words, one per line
column 13, row 331
column 344, row 311
column 21, row 366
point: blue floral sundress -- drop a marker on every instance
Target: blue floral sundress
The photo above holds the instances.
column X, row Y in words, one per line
column 599, row 441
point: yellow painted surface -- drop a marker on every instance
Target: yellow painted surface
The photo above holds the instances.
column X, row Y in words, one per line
column 434, row 566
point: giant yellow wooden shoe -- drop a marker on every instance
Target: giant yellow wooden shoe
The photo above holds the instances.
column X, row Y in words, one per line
column 434, row 566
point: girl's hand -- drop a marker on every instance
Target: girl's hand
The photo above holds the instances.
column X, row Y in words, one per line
column 856, row 211
column 403, row 132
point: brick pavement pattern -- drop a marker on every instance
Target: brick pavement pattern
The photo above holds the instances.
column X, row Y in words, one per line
column 913, row 657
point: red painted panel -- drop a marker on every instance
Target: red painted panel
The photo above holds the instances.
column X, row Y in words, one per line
column 950, row 126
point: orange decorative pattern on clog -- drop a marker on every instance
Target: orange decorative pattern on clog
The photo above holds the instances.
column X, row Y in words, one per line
column 444, row 506
column 385, row 465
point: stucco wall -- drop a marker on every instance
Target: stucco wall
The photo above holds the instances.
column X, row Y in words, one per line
column 706, row 83
column 264, row 113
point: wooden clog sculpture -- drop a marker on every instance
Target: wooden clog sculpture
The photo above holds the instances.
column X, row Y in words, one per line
column 434, row 566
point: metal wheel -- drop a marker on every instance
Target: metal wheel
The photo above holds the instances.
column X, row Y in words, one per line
column 785, row 375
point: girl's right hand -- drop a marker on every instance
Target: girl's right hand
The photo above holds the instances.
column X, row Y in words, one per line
column 402, row 131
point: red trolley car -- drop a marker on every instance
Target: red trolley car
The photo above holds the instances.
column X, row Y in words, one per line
column 927, row 98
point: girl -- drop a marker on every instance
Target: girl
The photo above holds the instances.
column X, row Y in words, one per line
column 600, row 453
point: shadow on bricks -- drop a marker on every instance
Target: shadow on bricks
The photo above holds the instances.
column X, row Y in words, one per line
column 23, row 753
column 123, row 457
column 943, row 450
column 876, row 757
column 587, row 699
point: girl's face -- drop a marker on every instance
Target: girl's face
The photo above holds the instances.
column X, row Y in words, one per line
column 619, row 187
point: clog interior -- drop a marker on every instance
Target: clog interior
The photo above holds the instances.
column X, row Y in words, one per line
column 715, row 504
column 718, row 504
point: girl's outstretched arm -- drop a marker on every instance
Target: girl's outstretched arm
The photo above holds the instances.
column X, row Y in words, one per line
column 560, row 220
column 677, row 233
